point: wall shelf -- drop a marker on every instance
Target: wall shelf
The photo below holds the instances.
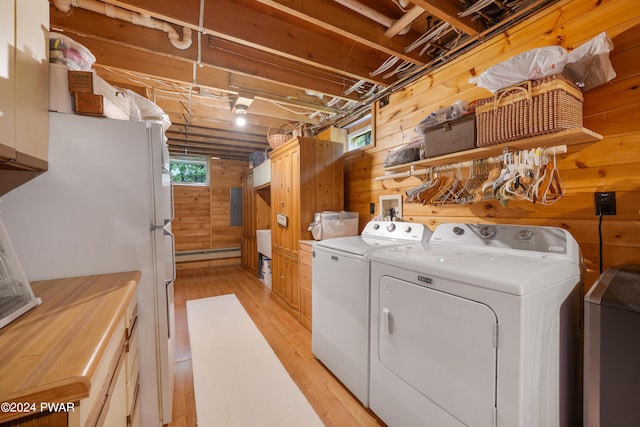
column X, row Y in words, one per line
column 566, row 137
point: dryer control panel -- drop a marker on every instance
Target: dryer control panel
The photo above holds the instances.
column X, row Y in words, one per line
column 409, row 231
column 541, row 239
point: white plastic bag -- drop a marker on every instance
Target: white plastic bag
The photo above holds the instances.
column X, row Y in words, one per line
column 588, row 65
column 530, row 65
column 149, row 111
column 329, row 224
column 66, row 51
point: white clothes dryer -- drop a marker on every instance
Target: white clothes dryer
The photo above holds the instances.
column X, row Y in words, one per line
column 481, row 328
column 341, row 294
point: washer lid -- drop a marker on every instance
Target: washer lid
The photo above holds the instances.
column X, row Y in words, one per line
column 377, row 235
column 516, row 275
column 358, row 245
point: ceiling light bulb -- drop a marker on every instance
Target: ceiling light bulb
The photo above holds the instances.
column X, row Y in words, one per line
column 241, row 121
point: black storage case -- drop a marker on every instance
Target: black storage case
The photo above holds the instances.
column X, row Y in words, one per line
column 612, row 349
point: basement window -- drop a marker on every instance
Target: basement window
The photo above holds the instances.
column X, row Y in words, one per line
column 360, row 134
column 189, row 171
column 360, row 139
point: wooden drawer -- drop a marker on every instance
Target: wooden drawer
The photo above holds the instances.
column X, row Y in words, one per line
column 131, row 315
column 131, row 355
column 113, row 412
column 132, row 387
column 88, row 410
column 134, row 419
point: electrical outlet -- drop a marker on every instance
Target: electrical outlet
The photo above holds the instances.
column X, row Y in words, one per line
column 605, row 203
column 372, row 208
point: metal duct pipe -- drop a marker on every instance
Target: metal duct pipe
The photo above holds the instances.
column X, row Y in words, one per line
column 372, row 14
column 129, row 16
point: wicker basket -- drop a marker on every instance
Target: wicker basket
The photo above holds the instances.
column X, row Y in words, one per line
column 532, row 108
column 280, row 135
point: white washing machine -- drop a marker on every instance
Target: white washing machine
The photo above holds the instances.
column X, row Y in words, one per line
column 481, row 328
column 340, row 298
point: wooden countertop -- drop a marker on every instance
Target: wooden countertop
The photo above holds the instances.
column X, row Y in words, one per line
column 50, row 354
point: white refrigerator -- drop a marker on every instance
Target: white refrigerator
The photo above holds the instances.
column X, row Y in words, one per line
column 105, row 205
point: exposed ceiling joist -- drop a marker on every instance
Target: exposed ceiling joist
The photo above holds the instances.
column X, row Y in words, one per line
column 315, row 61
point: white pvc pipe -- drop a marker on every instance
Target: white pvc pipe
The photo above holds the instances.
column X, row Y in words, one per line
column 372, row 14
column 129, row 16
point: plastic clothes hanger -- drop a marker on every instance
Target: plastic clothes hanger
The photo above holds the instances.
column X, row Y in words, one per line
column 552, row 186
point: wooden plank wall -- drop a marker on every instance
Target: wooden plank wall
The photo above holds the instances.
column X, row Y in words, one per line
column 202, row 213
column 191, row 223
column 612, row 110
column 225, row 174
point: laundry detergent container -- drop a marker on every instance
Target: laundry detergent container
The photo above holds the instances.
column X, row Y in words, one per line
column 612, row 349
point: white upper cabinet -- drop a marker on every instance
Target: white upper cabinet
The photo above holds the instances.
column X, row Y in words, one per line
column 24, row 82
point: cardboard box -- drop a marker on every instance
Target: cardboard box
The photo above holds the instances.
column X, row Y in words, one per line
column 88, row 104
column 80, row 81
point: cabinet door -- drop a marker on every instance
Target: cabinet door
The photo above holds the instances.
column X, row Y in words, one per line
column 285, row 182
column 248, row 206
column 249, row 253
column 7, row 82
column 304, row 283
column 32, row 80
column 279, row 206
column 277, row 270
column 292, row 291
column 285, row 279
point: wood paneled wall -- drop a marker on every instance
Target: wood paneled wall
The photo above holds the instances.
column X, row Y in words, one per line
column 612, row 110
column 202, row 213
column 225, row 174
column 191, row 224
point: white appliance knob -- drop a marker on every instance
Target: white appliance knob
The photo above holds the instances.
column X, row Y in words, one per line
column 407, row 229
column 391, row 227
column 458, row 231
column 487, row 232
column 525, row 235
column 376, row 226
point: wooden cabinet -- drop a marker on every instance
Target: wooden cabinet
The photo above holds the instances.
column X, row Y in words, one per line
column 285, row 269
column 307, row 176
column 249, row 249
column 24, row 84
column 256, row 215
column 305, row 261
column 132, row 366
column 82, row 344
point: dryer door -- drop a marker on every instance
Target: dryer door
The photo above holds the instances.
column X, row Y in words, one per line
column 441, row 345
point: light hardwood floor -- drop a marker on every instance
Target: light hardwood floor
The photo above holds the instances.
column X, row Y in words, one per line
column 290, row 341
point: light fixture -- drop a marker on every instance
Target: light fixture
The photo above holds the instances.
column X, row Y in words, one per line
column 241, row 112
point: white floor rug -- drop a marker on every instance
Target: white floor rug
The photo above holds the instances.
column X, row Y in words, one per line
column 238, row 379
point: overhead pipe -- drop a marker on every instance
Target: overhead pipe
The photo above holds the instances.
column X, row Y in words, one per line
column 372, row 14
column 126, row 15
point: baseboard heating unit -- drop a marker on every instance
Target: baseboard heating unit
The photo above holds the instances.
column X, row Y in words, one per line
column 203, row 255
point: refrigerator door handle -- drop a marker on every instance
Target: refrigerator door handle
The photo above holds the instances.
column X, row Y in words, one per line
column 173, row 251
column 173, row 213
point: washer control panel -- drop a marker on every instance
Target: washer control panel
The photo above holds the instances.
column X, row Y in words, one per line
column 503, row 236
column 409, row 231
